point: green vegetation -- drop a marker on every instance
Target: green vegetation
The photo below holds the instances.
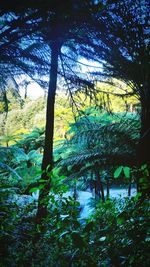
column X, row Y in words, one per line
column 94, row 153
column 115, row 235
column 74, row 164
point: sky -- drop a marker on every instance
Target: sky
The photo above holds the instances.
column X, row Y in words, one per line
column 34, row 91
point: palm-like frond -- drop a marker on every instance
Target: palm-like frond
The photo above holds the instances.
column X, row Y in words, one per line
column 9, row 169
column 100, row 145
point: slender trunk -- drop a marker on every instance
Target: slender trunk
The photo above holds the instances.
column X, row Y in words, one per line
column 137, row 184
column 102, row 190
column 96, row 190
column 45, row 95
column 25, row 93
column 4, row 119
column 107, row 189
column 75, row 194
column 47, row 163
column 144, row 144
column 129, row 188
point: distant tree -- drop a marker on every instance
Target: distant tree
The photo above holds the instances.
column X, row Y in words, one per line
column 19, row 53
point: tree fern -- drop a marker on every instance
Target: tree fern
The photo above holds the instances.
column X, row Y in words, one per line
column 99, row 145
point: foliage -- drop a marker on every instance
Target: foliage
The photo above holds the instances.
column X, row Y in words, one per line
column 32, row 141
column 21, row 119
column 120, row 169
column 31, row 116
column 121, row 45
column 20, row 166
column 98, row 141
column 116, row 96
column 116, row 35
column 115, row 235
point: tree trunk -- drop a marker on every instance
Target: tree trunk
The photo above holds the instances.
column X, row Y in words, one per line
column 75, row 193
column 25, row 93
column 102, row 190
column 99, row 184
column 143, row 152
column 97, row 192
column 144, row 145
column 47, row 163
column 129, row 188
column 107, row 189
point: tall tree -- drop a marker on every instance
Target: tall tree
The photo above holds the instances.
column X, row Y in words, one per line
column 57, row 24
column 121, row 44
column 66, row 24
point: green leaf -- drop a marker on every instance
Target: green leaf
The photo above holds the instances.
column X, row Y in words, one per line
column 126, row 172
column 38, row 228
column 142, row 180
column 102, row 239
column 47, row 169
column 62, row 177
column 64, row 234
column 121, row 217
column 34, row 189
column 118, row 171
column 138, row 195
column 144, row 170
column 120, row 220
column 41, row 186
column 42, row 181
column 64, row 217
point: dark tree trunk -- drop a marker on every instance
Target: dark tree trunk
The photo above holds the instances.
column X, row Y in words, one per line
column 75, row 193
column 129, row 188
column 144, row 145
column 97, row 192
column 143, row 152
column 25, row 93
column 99, row 185
column 102, row 190
column 47, row 163
column 107, row 188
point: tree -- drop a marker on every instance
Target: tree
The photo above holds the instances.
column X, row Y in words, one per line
column 56, row 24
column 121, row 44
column 65, row 24
column 21, row 54
column 98, row 143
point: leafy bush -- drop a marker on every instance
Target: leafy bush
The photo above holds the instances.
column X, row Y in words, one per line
column 115, row 235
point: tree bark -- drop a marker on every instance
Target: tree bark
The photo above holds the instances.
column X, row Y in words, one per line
column 143, row 152
column 47, row 162
column 107, row 189
column 129, row 188
column 144, row 144
column 102, row 190
column 25, row 93
column 99, row 187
